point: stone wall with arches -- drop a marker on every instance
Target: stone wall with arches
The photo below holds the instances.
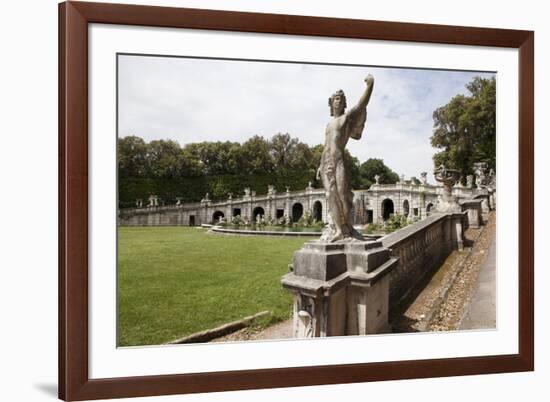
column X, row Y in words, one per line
column 372, row 205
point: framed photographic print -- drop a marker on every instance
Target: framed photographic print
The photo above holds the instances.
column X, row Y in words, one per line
column 260, row 200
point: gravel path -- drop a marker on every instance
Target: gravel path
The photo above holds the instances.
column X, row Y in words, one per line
column 480, row 313
column 451, row 311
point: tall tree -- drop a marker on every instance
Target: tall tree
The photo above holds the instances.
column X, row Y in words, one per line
column 254, row 156
column 216, row 158
column 353, row 169
column 282, row 148
column 465, row 128
column 372, row 167
column 164, row 158
column 132, row 157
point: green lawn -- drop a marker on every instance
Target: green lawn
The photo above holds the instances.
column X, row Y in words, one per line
column 174, row 281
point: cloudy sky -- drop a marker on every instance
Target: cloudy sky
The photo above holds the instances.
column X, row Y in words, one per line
column 193, row 100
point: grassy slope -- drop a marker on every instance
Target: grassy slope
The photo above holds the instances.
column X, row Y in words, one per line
column 174, row 281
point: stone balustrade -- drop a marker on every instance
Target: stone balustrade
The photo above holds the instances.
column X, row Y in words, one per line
column 350, row 288
column 421, row 248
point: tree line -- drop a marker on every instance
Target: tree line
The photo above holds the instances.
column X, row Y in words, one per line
column 165, row 168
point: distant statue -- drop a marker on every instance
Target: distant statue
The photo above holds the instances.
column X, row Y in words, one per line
column 424, row 177
column 332, row 170
column 479, row 170
column 469, row 181
column 377, row 179
column 153, row 201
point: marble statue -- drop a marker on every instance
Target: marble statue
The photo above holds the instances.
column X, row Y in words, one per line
column 479, row 170
column 332, row 171
column 377, row 179
column 424, row 178
column 470, row 181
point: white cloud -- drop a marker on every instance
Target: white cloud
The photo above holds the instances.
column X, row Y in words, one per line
column 192, row 100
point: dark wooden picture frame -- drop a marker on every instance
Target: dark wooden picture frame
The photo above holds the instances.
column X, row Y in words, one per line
column 74, row 381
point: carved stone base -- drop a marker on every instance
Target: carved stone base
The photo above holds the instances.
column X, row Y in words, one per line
column 340, row 288
column 474, row 210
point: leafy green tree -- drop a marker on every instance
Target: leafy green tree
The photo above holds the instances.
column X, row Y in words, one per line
column 465, row 128
column 316, row 152
column 282, row 148
column 190, row 162
column 372, row 167
column 353, row 169
column 301, row 159
column 254, row 156
column 216, row 158
column 289, row 154
column 132, row 157
column 164, row 158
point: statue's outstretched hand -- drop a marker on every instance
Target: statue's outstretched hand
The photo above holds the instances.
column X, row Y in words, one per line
column 370, row 79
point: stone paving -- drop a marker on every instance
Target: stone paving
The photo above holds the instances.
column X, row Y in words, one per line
column 480, row 313
column 470, row 285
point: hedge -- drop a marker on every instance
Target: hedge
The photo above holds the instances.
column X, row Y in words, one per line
column 193, row 189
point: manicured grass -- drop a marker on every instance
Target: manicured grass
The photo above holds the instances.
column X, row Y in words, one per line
column 174, row 281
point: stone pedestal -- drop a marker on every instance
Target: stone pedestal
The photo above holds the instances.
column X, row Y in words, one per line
column 458, row 223
column 485, row 205
column 340, row 288
column 369, row 289
column 483, row 195
column 473, row 208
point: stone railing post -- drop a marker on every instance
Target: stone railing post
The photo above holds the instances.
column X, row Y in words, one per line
column 473, row 208
column 340, row 288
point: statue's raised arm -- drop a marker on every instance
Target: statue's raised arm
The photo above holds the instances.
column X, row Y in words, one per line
column 357, row 115
column 364, row 100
